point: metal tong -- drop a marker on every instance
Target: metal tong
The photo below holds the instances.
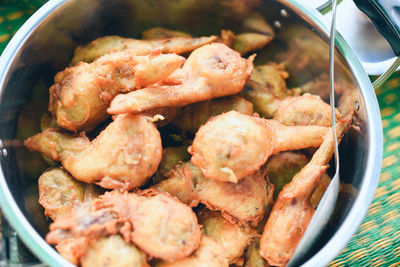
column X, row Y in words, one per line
column 328, row 201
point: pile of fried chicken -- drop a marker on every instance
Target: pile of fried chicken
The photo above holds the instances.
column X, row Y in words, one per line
column 241, row 186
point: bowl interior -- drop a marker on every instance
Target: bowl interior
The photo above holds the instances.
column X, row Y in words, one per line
column 300, row 43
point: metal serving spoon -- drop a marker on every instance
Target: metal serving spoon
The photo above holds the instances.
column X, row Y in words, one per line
column 328, row 201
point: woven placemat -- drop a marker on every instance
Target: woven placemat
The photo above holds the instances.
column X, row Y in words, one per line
column 377, row 242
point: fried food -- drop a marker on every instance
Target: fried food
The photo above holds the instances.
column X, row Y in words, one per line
column 211, row 71
column 109, row 44
column 59, row 192
column 169, row 232
column 162, row 33
column 210, row 254
column 162, row 116
column 246, row 145
column 70, row 249
column 273, row 77
column 47, row 121
column 113, row 251
column 256, row 23
column 123, row 156
column 245, row 201
column 252, row 256
column 247, row 42
column 293, row 110
column 232, row 237
column 293, row 211
column 240, row 8
column 81, row 94
column 283, row 166
column 305, row 110
column 170, row 157
column 264, row 102
column 194, row 115
column 320, row 190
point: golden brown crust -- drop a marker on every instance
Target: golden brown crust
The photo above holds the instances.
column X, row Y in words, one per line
column 59, row 192
column 245, row 201
column 123, row 156
column 113, row 251
column 81, row 94
column 169, row 232
column 293, row 211
column 245, row 143
column 210, row 253
column 233, row 238
column 211, row 71
column 109, row 44
column 195, row 115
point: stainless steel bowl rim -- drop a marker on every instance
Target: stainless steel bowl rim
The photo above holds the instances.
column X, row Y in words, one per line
column 342, row 236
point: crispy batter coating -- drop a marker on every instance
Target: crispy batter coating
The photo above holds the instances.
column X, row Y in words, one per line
column 194, row 115
column 170, row 157
column 109, row 44
column 293, row 110
column 264, row 102
column 252, row 256
column 247, row 42
column 59, row 192
column 163, row 116
column 273, row 77
column 245, row 201
column 246, row 144
column 319, row 192
column 293, row 211
column 211, row 71
column 240, row 8
column 169, row 232
column 232, row 237
column 256, row 23
column 113, row 251
column 47, row 121
column 305, row 110
column 162, row 33
column 81, row 94
column 71, row 249
column 283, row 166
column 209, row 254
column 123, row 156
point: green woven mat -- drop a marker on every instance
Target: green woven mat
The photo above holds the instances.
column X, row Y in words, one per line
column 377, row 242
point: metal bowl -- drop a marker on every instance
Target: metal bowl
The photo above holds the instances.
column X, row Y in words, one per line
column 45, row 43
